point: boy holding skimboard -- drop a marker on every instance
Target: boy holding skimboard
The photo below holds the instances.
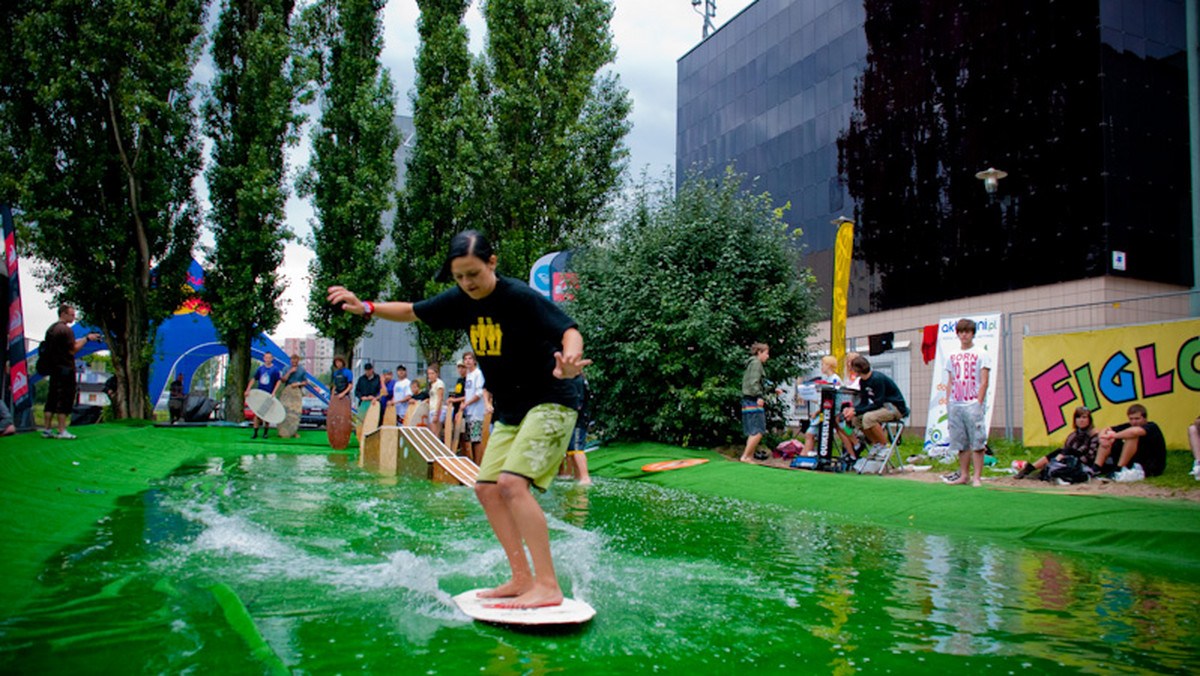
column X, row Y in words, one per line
column 528, row 350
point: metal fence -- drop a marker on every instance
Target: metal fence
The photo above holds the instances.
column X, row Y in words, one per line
column 904, row 364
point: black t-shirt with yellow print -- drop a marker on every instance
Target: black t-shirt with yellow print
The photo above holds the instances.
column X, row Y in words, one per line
column 514, row 333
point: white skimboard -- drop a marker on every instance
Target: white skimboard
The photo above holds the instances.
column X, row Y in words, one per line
column 569, row 611
column 266, row 407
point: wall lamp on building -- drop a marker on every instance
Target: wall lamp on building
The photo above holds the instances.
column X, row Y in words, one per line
column 991, row 179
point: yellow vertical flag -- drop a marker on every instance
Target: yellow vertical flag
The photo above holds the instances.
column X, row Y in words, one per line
column 843, row 253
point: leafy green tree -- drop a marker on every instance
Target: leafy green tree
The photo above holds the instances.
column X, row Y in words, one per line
column 671, row 305
column 100, row 150
column 446, row 161
column 524, row 142
column 555, row 125
column 352, row 175
column 250, row 118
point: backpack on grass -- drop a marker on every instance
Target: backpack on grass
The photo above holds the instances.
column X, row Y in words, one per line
column 1069, row 469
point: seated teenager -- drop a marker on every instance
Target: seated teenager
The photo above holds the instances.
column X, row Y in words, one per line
column 879, row 401
column 1139, row 440
column 1082, row 443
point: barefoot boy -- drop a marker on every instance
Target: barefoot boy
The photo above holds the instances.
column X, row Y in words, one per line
column 967, row 372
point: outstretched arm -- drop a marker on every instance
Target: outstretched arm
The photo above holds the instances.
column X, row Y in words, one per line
column 392, row 310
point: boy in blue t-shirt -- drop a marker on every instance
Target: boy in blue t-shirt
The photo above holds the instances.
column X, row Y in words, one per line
column 266, row 377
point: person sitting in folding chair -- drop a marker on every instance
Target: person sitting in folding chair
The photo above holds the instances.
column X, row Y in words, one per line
column 879, row 401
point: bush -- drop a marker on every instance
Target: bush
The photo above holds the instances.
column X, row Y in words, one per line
column 670, row 306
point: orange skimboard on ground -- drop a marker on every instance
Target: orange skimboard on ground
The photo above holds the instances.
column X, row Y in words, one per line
column 673, row 464
column 339, row 423
column 492, row 610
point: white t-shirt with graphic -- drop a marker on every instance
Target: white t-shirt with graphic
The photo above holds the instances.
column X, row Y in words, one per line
column 965, row 370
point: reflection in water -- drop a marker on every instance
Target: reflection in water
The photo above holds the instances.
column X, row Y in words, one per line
column 341, row 572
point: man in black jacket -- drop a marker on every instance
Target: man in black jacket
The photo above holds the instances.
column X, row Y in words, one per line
column 879, row 401
column 368, row 387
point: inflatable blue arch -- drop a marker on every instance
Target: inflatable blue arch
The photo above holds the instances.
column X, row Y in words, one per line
column 186, row 340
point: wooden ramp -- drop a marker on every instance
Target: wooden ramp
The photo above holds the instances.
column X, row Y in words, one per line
column 415, row 451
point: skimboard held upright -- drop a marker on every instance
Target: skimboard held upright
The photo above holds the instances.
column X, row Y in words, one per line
column 292, row 402
column 266, row 407
column 339, row 424
column 568, row 612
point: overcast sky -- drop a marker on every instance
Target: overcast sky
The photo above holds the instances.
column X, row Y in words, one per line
column 650, row 36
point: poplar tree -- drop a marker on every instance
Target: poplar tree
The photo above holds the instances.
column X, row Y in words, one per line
column 352, row 175
column 446, row 160
column 100, row 150
column 250, row 118
column 556, row 125
column 524, row 143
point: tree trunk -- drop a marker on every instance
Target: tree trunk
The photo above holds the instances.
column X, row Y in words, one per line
column 346, row 349
column 236, row 377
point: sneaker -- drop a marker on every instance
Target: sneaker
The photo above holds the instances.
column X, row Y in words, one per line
column 48, row 434
column 1195, row 470
column 1126, row 474
column 64, row 435
column 951, row 477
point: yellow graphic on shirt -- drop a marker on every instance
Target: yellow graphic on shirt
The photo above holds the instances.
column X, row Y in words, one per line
column 486, row 337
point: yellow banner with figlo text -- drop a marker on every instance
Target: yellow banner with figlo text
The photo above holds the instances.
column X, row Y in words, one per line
column 1155, row 365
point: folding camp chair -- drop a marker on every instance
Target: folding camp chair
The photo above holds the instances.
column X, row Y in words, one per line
column 876, row 462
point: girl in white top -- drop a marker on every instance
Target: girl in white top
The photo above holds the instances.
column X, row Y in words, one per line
column 437, row 395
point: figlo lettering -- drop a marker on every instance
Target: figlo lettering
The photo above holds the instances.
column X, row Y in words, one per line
column 1117, row 383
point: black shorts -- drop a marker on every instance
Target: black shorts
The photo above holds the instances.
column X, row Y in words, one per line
column 61, row 396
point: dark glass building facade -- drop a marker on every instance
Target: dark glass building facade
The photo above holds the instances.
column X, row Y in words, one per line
column 884, row 110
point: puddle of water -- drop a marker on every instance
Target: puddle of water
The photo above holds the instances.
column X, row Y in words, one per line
column 342, row 570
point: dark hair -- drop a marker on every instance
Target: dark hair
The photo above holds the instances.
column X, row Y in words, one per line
column 860, row 365
column 471, row 243
column 965, row 324
column 1136, row 408
column 337, row 358
column 1080, row 410
column 63, row 307
column 759, row 348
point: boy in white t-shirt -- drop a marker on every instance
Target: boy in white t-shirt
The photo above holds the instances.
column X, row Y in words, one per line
column 474, row 406
column 966, row 375
column 401, row 392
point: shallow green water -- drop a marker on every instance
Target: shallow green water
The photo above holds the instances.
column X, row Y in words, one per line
column 343, row 571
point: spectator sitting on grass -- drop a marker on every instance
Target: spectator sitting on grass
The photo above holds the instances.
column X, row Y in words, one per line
column 1082, row 443
column 1139, row 440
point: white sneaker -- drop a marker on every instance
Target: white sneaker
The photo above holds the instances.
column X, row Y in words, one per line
column 48, row 434
column 1195, row 470
column 1127, row 474
column 64, row 435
